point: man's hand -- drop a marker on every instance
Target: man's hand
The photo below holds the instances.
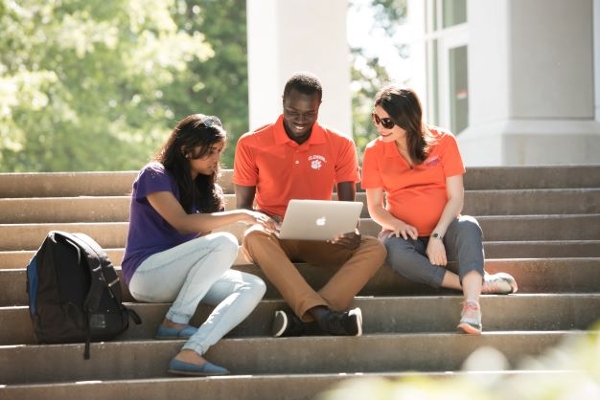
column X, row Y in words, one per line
column 350, row 240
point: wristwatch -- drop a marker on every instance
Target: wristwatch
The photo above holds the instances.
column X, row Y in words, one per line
column 436, row 235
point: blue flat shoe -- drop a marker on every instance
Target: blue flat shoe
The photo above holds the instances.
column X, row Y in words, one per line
column 165, row 332
column 178, row 367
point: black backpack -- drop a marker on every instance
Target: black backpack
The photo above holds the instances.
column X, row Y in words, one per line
column 74, row 292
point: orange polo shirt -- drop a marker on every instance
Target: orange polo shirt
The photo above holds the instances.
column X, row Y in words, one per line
column 282, row 169
column 416, row 196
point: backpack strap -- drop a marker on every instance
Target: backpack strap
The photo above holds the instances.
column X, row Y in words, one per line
column 106, row 275
column 98, row 258
column 98, row 262
column 91, row 252
column 101, row 277
column 93, row 262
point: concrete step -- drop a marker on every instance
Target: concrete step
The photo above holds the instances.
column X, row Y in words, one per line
column 73, row 184
column 544, row 227
column 20, row 258
column 532, row 201
column 29, row 364
column 528, row 177
column 541, row 224
column 16, row 237
column 382, row 314
column 64, row 209
column 493, row 250
column 69, row 184
column 541, row 248
column 272, row 387
column 480, row 202
column 66, row 184
column 238, row 387
column 543, row 275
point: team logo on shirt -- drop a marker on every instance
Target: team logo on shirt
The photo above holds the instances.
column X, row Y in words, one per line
column 316, row 161
column 432, row 161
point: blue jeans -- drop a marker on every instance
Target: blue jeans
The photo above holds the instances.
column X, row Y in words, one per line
column 463, row 242
column 199, row 270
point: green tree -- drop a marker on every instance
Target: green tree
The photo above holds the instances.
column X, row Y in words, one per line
column 82, row 84
column 218, row 86
column 367, row 74
column 99, row 85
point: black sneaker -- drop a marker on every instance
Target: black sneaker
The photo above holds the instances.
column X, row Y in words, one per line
column 287, row 324
column 348, row 323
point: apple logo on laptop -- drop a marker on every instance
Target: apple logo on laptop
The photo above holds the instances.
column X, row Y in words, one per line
column 321, row 221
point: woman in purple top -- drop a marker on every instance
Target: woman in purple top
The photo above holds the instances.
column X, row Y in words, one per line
column 171, row 254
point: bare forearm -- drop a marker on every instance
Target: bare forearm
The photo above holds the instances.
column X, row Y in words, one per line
column 197, row 223
column 383, row 217
column 450, row 213
column 454, row 205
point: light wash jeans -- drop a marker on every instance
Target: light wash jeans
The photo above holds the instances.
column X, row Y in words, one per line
column 199, row 270
column 463, row 242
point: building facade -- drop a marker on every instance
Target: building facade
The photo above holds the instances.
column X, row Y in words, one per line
column 518, row 81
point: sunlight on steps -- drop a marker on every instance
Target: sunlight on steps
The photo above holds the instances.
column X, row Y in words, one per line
column 541, row 224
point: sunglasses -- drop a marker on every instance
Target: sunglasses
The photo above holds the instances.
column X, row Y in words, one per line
column 210, row 121
column 387, row 123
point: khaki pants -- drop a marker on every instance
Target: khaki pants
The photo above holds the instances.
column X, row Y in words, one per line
column 275, row 257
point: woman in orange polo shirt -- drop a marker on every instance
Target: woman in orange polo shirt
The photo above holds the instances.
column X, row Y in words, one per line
column 413, row 176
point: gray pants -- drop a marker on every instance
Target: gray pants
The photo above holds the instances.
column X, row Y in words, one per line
column 464, row 245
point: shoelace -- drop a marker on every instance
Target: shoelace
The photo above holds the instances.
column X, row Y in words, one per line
column 494, row 285
column 470, row 308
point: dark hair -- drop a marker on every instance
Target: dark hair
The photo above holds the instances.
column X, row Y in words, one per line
column 304, row 82
column 192, row 138
column 404, row 108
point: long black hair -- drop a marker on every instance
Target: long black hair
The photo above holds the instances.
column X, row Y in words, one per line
column 404, row 108
column 192, row 138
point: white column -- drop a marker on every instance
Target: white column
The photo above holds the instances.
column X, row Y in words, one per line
column 597, row 56
column 298, row 35
column 531, row 80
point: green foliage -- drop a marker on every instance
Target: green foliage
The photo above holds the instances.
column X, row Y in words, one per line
column 366, row 82
column 367, row 74
column 218, row 86
column 389, row 14
column 570, row 370
column 98, row 85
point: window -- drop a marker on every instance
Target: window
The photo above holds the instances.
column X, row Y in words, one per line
column 454, row 12
column 459, row 105
column 447, row 63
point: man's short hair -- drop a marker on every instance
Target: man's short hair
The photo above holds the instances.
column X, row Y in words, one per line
column 304, row 82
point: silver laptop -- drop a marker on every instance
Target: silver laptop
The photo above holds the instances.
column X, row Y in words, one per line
column 319, row 219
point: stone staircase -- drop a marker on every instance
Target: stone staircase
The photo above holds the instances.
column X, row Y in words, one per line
column 541, row 224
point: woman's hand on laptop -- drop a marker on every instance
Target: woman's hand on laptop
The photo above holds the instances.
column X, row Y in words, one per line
column 350, row 240
column 256, row 217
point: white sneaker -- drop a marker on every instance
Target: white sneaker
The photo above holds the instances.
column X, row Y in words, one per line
column 470, row 318
column 500, row 283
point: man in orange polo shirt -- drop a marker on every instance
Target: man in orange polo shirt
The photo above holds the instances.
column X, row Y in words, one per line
column 297, row 158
